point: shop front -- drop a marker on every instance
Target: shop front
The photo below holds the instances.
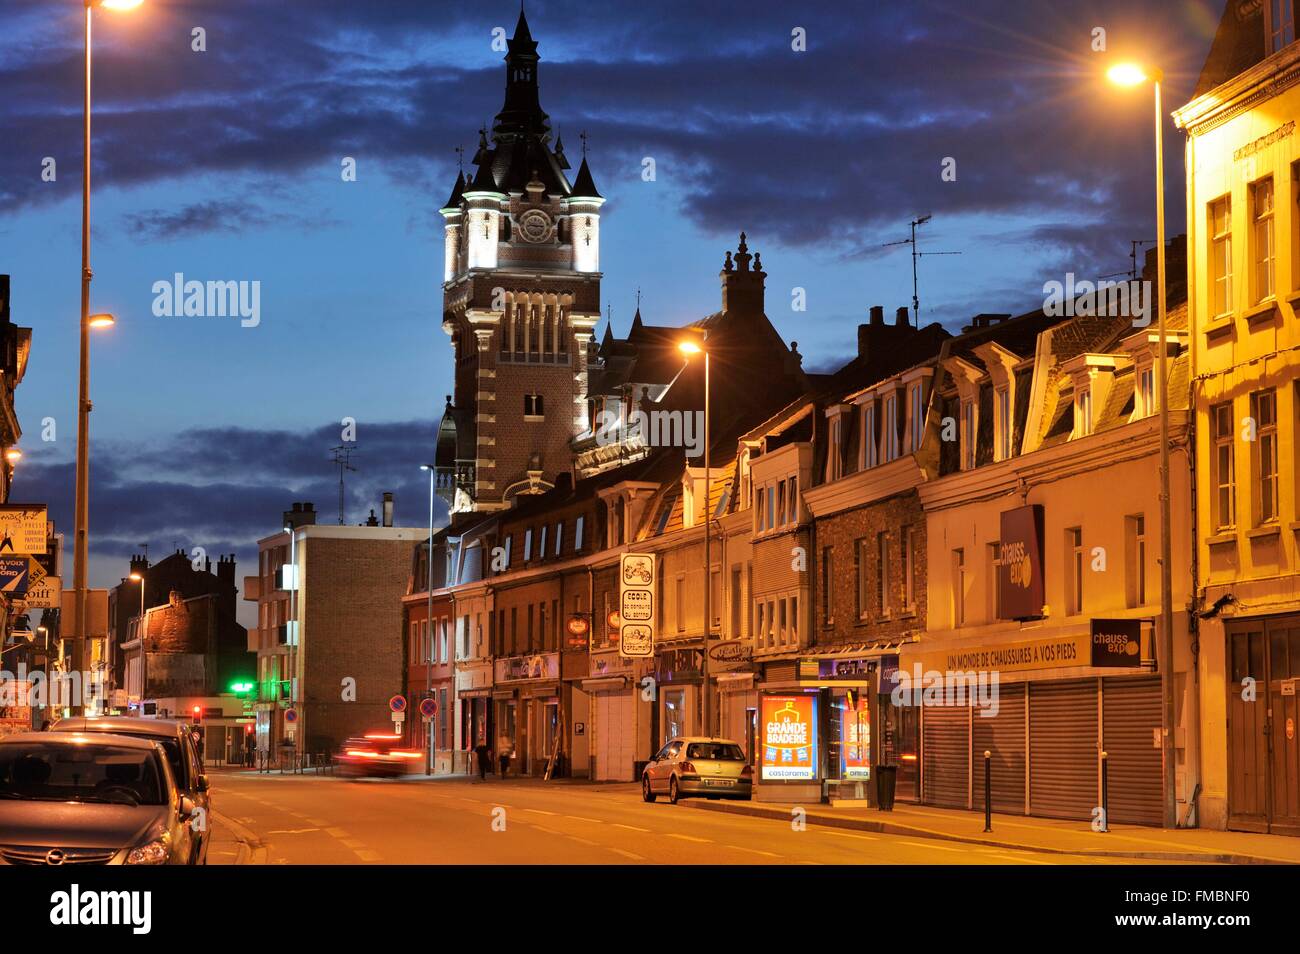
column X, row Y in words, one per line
column 731, row 668
column 473, row 700
column 679, row 679
column 526, row 703
column 1045, row 708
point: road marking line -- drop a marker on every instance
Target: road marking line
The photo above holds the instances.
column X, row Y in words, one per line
column 627, row 854
column 365, row 854
column 628, row 827
column 352, row 843
column 336, row 832
column 291, row 831
column 581, row 841
column 845, row 834
column 319, row 822
column 549, row 831
column 594, row 821
column 706, row 841
column 922, row 844
column 770, row 854
column 538, row 811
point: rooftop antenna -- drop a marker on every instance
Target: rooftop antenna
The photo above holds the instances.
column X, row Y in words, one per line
column 460, row 158
column 583, row 136
column 916, row 301
column 145, row 547
column 1132, row 273
column 343, row 461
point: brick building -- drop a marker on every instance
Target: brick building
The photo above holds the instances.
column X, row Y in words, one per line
column 174, row 573
column 187, row 647
column 335, row 657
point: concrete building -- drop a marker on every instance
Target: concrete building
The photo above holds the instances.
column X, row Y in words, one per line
column 1243, row 170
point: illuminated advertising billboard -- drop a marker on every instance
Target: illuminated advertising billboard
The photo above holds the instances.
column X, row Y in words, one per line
column 855, row 738
column 789, row 735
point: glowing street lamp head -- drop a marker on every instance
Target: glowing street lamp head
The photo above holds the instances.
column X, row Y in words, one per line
column 1127, row 74
column 13, row 455
column 136, row 577
column 102, row 321
column 689, row 347
column 119, row 4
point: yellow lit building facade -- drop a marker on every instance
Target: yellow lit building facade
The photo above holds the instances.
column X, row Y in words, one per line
column 1243, row 163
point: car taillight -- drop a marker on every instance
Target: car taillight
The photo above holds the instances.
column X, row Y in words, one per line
column 688, row 767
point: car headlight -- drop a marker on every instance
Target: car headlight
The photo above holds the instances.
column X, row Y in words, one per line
column 150, row 853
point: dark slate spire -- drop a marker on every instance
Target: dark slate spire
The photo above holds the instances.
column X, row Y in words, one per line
column 483, row 180
column 457, row 191
column 522, row 115
column 584, row 185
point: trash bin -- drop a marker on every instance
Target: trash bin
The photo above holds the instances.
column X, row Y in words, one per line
column 886, row 780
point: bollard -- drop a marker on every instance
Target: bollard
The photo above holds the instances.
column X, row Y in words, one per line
column 1105, row 795
column 988, row 790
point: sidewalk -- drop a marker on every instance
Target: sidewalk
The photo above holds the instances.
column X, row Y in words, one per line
column 1049, row 835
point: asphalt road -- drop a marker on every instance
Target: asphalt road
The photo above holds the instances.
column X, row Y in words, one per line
column 324, row 820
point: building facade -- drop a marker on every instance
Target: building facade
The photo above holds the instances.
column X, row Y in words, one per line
column 1243, row 170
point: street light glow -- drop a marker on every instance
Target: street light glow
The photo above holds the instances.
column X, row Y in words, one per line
column 1126, row 74
column 136, row 577
column 120, row 4
column 690, row 347
column 13, row 455
column 104, row 320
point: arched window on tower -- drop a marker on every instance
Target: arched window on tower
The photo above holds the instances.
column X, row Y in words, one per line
column 521, row 311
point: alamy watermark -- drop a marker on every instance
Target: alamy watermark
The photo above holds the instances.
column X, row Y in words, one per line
column 211, row 299
column 933, row 687
column 1100, row 299
column 654, row 428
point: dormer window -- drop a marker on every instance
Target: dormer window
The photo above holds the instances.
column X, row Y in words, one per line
column 1279, row 24
column 1146, row 391
column 870, row 449
column 916, row 416
column 969, row 419
column 1083, row 412
column 891, row 428
column 1003, row 422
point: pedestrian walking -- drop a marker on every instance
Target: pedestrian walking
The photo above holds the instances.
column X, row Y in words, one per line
column 484, row 758
column 505, row 750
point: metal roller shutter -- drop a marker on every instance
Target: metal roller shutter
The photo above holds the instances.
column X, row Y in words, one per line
column 945, row 755
column 1002, row 735
column 1130, row 714
column 1063, row 749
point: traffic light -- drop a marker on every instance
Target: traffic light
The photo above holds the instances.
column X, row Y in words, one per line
column 198, row 715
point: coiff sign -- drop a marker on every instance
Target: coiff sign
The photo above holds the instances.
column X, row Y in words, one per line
column 636, row 605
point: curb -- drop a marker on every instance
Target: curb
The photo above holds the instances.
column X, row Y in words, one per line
column 251, row 849
column 893, row 828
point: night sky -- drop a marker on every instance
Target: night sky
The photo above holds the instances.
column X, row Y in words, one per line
column 225, row 164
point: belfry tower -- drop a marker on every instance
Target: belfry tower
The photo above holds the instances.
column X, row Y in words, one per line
column 521, row 299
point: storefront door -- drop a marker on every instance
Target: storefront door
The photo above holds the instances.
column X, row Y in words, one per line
column 1264, row 726
column 674, row 714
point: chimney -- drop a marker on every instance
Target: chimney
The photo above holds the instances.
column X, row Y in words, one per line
column 302, row 515
column 139, row 564
column 226, row 569
column 372, row 520
column 900, row 318
column 877, row 315
column 742, row 286
column 388, row 508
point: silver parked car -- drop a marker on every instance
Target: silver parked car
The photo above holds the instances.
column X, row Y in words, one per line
column 715, row 768
column 72, row 798
column 177, row 739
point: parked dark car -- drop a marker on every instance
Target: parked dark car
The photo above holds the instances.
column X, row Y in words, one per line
column 178, row 740
column 79, row 798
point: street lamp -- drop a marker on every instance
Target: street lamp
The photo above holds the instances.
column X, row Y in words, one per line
column 694, row 348
column 144, row 649
column 1128, row 75
column 428, row 659
column 13, row 455
column 81, row 515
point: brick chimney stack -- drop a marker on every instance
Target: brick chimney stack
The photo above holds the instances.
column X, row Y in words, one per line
column 742, row 286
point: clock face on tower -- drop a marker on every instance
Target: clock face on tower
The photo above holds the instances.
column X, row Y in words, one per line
column 535, row 226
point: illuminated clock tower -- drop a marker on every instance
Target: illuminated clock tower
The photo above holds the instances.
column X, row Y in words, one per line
column 521, row 298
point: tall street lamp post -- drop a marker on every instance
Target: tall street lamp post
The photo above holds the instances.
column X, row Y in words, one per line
column 1127, row 74
column 81, row 507
column 144, row 649
column 692, row 347
column 428, row 656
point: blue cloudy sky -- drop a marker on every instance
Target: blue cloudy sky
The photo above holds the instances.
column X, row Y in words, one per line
column 225, row 164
